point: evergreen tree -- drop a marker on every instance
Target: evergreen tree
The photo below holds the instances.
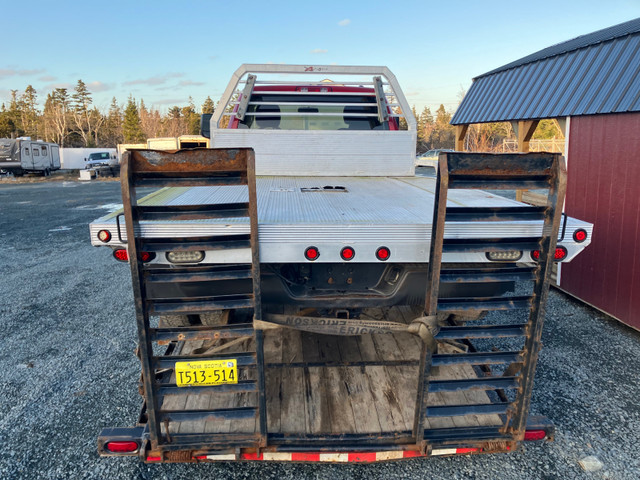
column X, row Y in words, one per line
column 131, row 129
column 208, row 106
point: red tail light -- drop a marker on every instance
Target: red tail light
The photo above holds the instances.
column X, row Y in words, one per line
column 580, row 235
column 533, row 435
column 154, row 459
column 347, row 253
column 312, row 253
column 122, row 447
column 122, row 255
column 383, row 254
column 560, row 254
column 105, row 235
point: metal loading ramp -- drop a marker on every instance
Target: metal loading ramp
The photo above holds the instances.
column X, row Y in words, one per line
column 171, row 399
column 506, row 366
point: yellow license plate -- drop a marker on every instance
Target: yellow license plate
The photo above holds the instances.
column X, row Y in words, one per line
column 206, row 372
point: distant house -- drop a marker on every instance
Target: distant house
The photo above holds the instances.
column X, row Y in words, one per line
column 591, row 85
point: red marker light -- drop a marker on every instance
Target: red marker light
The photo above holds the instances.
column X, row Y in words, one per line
column 312, row 253
column 580, row 235
column 533, row 435
column 105, row 235
column 122, row 447
column 121, row 255
column 383, row 254
column 347, row 253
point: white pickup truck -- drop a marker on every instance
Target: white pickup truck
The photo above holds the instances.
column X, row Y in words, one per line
column 320, row 300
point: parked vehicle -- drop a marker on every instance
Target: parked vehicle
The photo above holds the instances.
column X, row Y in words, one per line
column 23, row 155
column 101, row 159
column 318, row 300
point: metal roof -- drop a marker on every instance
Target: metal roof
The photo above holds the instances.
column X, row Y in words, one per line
column 592, row 74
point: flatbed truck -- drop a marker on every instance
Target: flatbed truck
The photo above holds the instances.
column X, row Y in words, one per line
column 319, row 301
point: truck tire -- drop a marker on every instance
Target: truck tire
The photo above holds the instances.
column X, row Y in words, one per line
column 173, row 321
column 215, row 319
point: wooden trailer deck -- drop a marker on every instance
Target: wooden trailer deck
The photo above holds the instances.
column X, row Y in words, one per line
column 335, row 400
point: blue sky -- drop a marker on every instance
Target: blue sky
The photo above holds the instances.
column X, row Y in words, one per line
column 164, row 52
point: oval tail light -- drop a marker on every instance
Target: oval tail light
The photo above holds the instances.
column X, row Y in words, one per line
column 185, row 257
column 559, row 255
column 122, row 255
column 122, row 447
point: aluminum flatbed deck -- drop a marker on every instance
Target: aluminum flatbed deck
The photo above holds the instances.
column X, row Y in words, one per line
column 364, row 212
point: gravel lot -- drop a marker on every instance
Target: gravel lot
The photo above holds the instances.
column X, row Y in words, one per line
column 68, row 369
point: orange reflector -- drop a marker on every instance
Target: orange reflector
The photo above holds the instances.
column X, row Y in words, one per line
column 347, row 253
column 122, row 447
column 533, row 435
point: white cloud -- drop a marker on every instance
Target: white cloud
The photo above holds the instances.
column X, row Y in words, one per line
column 319, row 50
column 344, row 23
column 189, row 83
column 47, row 78
column 53, row 86
column 157, row 80
column 10, row 72
column 98, row 86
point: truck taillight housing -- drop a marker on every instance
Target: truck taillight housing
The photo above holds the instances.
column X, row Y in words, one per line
column 311, row 253
column 506, row 256
column 185, row 257
column 122, row 447
column 534, row 435
column 347, row 253
column 105, row 235
column 580, row 235
column 122, row 255
column 560, row 254
column 383, row 254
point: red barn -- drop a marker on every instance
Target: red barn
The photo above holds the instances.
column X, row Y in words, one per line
column 591, row 85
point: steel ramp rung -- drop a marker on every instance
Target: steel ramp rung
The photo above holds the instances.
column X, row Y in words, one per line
column 486, row 383
column 495, row 214
column 197, row 274
column 459, row 410
column 198, row 306
column 475, row 358
column 243, row 386
column 238, row 413
column 488, row 274
column 193, row 212
column 481, row 331
column 482, row 304
column 490, row 245
column 196, row 333
column 191, row 244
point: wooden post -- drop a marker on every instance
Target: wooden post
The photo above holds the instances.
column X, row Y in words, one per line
column 461, row 132
column 524, row 131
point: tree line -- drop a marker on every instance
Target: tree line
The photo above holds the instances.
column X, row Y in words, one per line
column 71, row 120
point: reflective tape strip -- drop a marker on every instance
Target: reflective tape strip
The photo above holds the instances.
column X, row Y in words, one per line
column 444, row 451
column 334, row 457
column 380, row 456
column 220, row 457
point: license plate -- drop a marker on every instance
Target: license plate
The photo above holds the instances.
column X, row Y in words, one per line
column 206, row 372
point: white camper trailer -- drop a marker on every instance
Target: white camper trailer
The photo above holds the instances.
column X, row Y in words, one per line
column 22, row 155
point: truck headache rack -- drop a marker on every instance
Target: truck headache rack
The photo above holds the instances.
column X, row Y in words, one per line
column 174, row 409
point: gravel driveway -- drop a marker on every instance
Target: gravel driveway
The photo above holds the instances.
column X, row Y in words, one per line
column 68, row 369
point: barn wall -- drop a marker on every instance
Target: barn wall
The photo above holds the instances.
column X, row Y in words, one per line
column 604, row 188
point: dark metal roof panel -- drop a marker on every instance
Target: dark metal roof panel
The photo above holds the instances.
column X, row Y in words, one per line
column 600, row 78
